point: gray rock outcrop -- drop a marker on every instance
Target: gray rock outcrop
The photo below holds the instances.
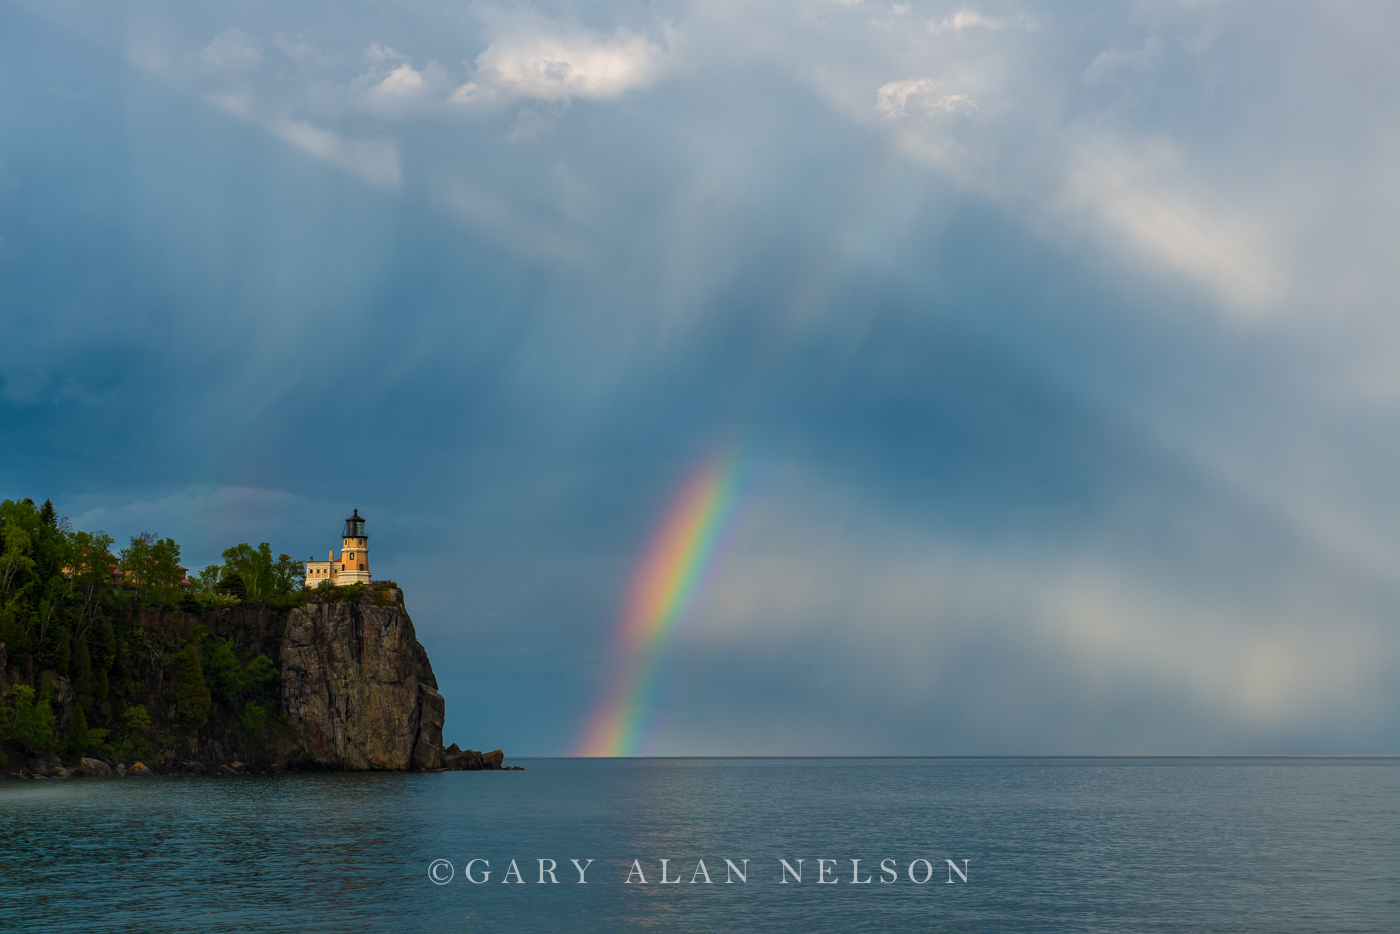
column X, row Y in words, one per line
column 94, row 767
column 469, row 760
column 358, row 689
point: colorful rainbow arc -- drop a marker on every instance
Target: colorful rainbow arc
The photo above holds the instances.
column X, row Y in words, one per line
column 666, row 583
column 686, row 543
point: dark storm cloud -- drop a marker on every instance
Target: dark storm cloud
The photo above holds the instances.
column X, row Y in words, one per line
column 1060, row 346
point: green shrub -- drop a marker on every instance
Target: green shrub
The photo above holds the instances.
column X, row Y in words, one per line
column 255, row 719
column 135, row 721
column 31, row 722
column 257, row 673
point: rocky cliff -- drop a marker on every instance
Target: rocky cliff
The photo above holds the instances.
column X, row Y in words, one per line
column 358, row 690
column 328, row 681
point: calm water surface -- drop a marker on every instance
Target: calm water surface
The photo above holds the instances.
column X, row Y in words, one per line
column 1051, row 844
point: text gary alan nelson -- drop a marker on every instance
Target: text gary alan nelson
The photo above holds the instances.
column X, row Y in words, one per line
column 919, row 871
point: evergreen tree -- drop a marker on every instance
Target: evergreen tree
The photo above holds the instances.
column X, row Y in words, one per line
column 48, row 515
column 255, row 718
column 192, row 696
column 31, row 727
column 258, row 672
column 221, row 671
column 232, row 585
column 136, row 720
column 118, row 668
column 15, row 637
column 106, row 649
column 82, row 669
column 62, row 649
column 78, row 733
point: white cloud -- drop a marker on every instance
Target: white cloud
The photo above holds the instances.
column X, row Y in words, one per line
column 299, row 50
column 379, row 54
column 962, row 20
column 402, row 90
column 1146, row 199
column 401, row 82
column 1111, row 62
column 503, row 222
column 557, row 64
column 374, row 160
column 231, row 50
column 896, row 606
column 919, row 95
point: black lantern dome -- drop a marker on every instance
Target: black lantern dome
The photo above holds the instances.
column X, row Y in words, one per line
column 355, row 526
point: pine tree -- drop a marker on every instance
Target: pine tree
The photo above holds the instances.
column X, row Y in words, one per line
column 136, row 720
column 82, row 669
column 232, row 584
column 15, row 637
column 221, row 670
column 32, row 725
column 62, row 649
column 78, row 733
column 106, row 648
column 48, row 515
column 192, row 697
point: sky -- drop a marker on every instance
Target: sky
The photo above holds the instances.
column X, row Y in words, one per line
column 812, row 377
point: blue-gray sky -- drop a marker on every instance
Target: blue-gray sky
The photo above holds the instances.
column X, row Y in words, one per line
column 1060, row 344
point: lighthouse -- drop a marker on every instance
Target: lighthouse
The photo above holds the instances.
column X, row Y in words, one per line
column 354, row 552
column 353, row 566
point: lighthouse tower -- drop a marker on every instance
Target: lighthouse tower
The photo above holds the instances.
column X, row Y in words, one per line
column 353, row 566
column 354, row 554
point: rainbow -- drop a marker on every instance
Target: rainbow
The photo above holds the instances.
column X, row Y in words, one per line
column 664, row 586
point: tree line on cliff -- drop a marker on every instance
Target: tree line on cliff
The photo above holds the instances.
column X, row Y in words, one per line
column 107, row 654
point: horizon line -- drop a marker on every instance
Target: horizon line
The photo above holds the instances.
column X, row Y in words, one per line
column 1225, row 755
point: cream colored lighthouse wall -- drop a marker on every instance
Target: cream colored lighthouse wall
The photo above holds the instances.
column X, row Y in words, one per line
column 353, row 566
column 317, row 571
column 354, row 561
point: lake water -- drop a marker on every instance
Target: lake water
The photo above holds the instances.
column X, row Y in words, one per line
column 1050, row 844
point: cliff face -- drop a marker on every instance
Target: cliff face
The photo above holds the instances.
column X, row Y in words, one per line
column 358, row 689
column 349, row 687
